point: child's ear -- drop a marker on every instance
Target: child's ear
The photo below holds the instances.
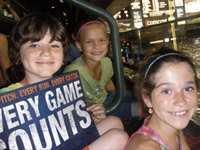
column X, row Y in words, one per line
column 108, row 42
column 147, row 100
column 78, row 46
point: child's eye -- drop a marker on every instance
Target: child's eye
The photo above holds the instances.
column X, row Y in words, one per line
column 55, row 46
column 166, row 92
column 188, row 89
column 102, row 40
column 33, row 46
column 88, row 42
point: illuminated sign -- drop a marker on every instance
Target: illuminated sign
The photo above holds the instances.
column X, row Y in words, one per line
column 158, row 11
column 178, row 3
column 135, row 5
column 149, row 22
column 163, row 5
column 192, row 6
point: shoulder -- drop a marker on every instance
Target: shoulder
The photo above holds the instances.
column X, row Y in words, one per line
column 106, row 59
column 183, row 141
column 75, row 65
column 142, row 142
column 2, row 37
column 11, row 87
column 107, row 68
column 106, row 62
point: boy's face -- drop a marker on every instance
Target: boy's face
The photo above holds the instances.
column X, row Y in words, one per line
column 41, row 59
column 93, row 42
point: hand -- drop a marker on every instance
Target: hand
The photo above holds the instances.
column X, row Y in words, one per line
column 98, row 112
column 61, row 1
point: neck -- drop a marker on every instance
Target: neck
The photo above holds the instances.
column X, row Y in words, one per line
column 168, row 133
column 28, row 81
column 93, row 69
column 90, row 64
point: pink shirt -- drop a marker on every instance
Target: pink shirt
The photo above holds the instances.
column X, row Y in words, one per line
column 153, row 135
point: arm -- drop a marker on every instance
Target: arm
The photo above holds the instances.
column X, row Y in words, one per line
column 4, row 61
column 110, row 85
column 108, row 73
column 140, row 142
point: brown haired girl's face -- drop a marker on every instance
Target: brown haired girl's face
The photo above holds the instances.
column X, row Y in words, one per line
column 174, row 98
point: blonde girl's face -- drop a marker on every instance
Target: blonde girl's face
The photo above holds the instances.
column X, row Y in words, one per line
column 93, row 42
column 41, row 59
column 174, row 98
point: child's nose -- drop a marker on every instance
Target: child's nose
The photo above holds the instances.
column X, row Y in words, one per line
column 46, row 50
column 180, row 99
column 97, row 44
